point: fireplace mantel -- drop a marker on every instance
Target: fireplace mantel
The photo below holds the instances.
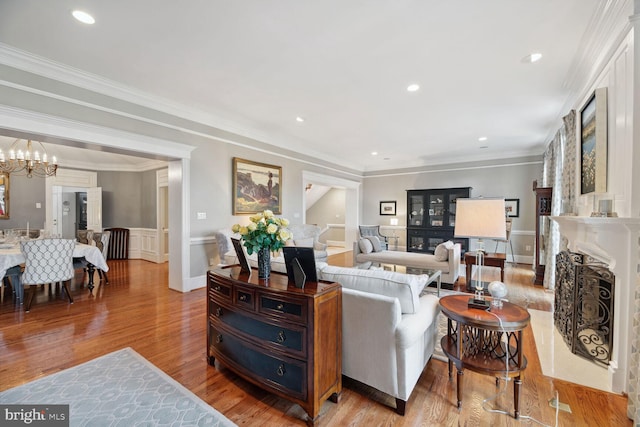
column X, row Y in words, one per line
column 616, row 243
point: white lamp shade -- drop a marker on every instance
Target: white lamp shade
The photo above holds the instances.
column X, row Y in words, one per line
column 480, row 219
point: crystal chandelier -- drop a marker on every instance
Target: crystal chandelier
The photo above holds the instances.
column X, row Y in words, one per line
column 25, row 161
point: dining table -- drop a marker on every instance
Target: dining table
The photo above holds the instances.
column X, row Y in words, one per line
column 11, row 256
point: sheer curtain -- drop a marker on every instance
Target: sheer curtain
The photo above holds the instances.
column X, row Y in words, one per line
column 559, row 169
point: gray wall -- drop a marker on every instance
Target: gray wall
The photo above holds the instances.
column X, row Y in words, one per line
column 329, row 209
column 24, row 193
column 128, row 199
column 509, row 179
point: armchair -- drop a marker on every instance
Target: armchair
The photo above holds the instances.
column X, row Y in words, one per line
column 374, row 230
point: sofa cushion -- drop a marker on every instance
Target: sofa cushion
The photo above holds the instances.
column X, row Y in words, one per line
column 375, row 243
column 405, row 287
column 365, row 246
column 442, row 250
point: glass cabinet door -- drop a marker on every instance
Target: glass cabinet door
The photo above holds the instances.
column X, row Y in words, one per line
column 437, row 210
column 416, row 243
column 453, row 197
column 416, row 210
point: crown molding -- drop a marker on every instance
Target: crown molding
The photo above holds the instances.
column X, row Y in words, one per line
column 19, row 120
column 607, row 29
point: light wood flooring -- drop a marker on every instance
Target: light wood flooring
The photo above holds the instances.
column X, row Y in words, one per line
column 138, row 310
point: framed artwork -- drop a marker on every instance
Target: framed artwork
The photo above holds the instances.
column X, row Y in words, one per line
column 512, row 207
column 388, row 208
column 593, row 143
column 256, row 187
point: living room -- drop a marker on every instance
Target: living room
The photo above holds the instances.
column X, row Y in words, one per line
column 75, row 106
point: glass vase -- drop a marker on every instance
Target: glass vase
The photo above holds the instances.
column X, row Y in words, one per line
column 264, row 263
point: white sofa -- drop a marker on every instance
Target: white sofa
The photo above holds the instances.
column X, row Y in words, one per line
column 389, row 329
column 450, row 267
column 304, row 235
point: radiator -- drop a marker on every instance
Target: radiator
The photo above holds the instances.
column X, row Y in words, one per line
column 118, row 243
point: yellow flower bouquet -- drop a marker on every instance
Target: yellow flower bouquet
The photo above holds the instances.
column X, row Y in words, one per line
column 264, row 231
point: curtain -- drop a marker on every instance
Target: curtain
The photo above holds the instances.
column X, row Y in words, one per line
column 559, row 172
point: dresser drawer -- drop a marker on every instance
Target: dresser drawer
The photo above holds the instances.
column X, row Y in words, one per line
column 245, row 298
column 278, row 336
column 290, row 308
column 219, row 290
column 287, row 375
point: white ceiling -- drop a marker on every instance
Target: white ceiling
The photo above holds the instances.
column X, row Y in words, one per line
column 252, row 66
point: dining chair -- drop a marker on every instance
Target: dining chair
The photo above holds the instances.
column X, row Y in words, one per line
column 102, row 243
column 47, row 261
column 83, row 236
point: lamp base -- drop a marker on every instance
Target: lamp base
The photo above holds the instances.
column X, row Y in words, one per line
column 480, row 304
column 472, row 286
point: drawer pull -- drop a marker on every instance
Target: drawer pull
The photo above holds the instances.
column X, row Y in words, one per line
column 243, row 297
column 280, row 306
column 281, row 371
column 218, row 311
column 281, row 337
column 218, row 339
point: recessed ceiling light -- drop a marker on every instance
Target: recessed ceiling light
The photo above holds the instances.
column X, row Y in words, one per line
column 299, row 119
column 483, row 147
column 482, row 138
column 413, row 87
column 531, row 58
column 83, row 17
column 374, row 153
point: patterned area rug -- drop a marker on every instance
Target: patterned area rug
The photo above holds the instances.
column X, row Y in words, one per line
column 118, row 389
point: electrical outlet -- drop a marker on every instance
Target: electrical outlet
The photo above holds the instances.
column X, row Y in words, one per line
column 527, row 248
column 202, row 215
column 212, row 261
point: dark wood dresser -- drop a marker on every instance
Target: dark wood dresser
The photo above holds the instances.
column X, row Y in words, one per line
column 281, row 338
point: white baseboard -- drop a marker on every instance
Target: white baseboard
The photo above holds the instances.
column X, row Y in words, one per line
column 337, row 243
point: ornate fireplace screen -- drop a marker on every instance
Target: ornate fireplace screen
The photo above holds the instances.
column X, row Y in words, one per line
column 584, row 305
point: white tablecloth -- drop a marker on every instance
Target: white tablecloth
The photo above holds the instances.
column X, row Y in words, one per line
column 12, row 256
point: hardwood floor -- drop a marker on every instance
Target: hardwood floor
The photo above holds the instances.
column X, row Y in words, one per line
column 138, row 310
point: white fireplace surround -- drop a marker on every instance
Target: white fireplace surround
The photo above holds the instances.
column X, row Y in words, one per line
column 616, row 243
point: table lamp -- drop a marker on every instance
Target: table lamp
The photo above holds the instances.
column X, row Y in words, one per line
column 480, row 219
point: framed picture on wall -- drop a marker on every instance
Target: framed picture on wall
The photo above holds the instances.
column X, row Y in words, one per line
column 256, row 187
column 512, row 207
column 593, row 143
column 388, row 208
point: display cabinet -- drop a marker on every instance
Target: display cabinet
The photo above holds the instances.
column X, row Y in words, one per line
column 431, row 218
column 543, row 216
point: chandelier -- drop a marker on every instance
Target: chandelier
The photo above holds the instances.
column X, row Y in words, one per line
column 25, row 161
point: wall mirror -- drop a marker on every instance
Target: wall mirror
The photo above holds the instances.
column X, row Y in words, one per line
column 4, row 196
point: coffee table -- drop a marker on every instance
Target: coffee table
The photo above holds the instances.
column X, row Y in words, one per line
column 478, row 341
column 435, row 276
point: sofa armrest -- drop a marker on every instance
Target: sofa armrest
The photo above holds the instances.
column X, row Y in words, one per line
column 369, row 324
column 454, row 260
column 319, row 246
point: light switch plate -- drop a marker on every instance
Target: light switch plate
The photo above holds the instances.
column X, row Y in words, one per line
column 202, row 215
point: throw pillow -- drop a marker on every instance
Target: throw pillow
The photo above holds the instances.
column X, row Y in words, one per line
column 365, row 246
column 442, row 251
column 375, row 243
column 304, row 243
